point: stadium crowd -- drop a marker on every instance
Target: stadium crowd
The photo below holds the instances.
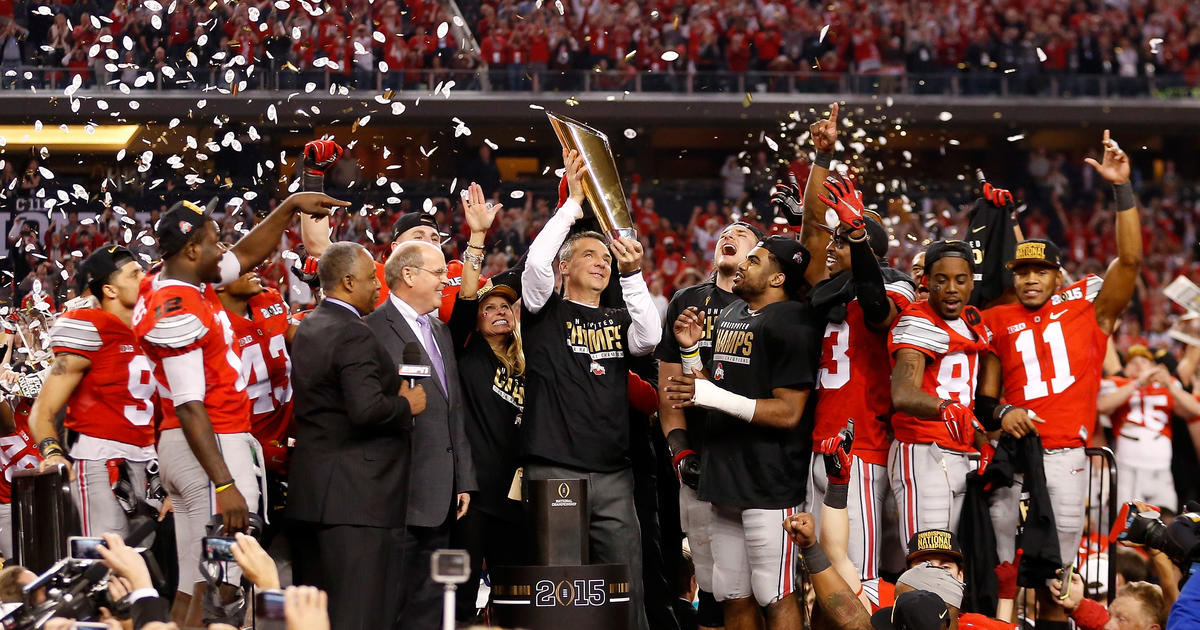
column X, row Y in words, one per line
column 387, row 44
column 193, row 387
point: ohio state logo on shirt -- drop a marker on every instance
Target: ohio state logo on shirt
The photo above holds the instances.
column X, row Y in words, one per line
column 719, row 373
column 597, row 369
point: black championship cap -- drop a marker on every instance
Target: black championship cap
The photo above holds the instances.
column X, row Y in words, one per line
column 1036, row 251
column 180, row 224
column 933, row 542
column 914, row 610
column 877, row 236
column 97, row 268
column 793, row 259
column 938, row 250
column 411, row 220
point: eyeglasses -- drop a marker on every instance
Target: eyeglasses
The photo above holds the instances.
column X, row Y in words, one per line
column 440, row 273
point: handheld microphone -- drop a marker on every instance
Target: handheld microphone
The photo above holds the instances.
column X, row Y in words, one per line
column 412, row 368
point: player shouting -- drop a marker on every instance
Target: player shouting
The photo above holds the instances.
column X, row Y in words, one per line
column 104, row 382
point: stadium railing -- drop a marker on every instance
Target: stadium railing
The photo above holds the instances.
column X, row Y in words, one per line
column 519, row 78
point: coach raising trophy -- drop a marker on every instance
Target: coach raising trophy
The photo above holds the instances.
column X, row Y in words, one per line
column 576, row 422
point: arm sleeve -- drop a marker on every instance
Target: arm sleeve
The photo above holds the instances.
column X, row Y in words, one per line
column 462, row 321
column 537, row 281
column 368, row 404
column 645, row 330
column 868, row 283
column 185, row 376
column 75, row 336
column 231, row 268
column 1090, row 615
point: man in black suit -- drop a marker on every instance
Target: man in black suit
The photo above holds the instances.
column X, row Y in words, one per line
column 350, row 471
column 441, row 465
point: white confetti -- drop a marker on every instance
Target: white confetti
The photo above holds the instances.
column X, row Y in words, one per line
column 821, row 37
column 945, row 116
column 491, row 145
column 362, row 122
column 1019, row 136
column 630, row 133
column 1041, row 55
column 442, row 30
column 559, row 5
column 397, row 108
column 155, row 21
column 379, row 37
column 670, row 56
column 1155, row 42
column 517, row 194
column 427, row 206
column 771, row 144
column 271, row 114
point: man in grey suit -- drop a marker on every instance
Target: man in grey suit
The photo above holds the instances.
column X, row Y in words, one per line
column 442, row 471
column 350, row 471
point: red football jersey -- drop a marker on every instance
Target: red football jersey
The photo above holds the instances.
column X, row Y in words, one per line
column 953, row 349
column 850, row 384
column 261, row 343
column 1051, row 359
column 115, row 399
column 1142, row 426
column 17, row 450
column 173, row 318
column 449, row 294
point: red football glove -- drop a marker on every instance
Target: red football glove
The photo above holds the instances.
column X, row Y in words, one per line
column 845, row 200
column 986, row 453
column 837, row 454
column 998, row 197
column 1006, row 575
column 960, row 421
column 319, row 156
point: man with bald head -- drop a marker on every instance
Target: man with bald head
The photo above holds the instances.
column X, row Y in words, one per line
column 442, row 470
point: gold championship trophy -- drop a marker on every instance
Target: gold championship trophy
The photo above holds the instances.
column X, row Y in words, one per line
column 602, row 185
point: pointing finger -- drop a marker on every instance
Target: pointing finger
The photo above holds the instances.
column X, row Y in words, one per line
column 833, row 111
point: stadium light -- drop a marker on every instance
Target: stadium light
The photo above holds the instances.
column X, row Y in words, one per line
column 74, row 137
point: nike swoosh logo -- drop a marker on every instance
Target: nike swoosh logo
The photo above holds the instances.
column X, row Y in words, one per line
column 982, row 227
column 1057, row 315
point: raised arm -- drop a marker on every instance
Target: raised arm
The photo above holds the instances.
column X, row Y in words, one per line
column 254, row 247
column 840, row 606
column 537, row 280
column 1121, row 279
column 814, row 238
column 1111, row 400
column 319, row 156
column 479, row 216
column 879, row 310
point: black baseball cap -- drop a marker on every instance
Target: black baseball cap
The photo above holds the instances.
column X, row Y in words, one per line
column 938, row 250
column 877, row 236
column 933, row 542
column 97, row 268
column 793, row 259
column 1036, row 251
column 914, row 610
column 180, row 224
column 411, row 220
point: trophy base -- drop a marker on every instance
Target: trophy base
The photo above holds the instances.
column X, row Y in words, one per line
column 628, row 232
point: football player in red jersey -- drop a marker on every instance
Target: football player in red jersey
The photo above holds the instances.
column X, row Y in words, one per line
column 320, row 156
column 17, row 452
column 262, row 332
column 936, row 346
column 208, row 456
column 1046, row 358
column 1140, row 406
column 859, row 298
column 106, row 385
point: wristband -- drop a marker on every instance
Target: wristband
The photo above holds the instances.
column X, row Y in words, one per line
column 47, row 444
column 823, row 160
column 630, row 274
column 945, row 403
column 815, row 559
column 479, row 247
column 1000, row 411
column 691, row 363
column 222, row 487
column 679, row 457
column 709, row 396
column 690, row 351
column 1124, row 196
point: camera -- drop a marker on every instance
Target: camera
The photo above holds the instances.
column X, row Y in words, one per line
column 84, row 548
column 219, row 549
column 1180, row 540
column 451, row 566
column 75, row 589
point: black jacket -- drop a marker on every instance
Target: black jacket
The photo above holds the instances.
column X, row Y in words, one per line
column 353, row 432
column 991, row 236
column 1037, row 535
